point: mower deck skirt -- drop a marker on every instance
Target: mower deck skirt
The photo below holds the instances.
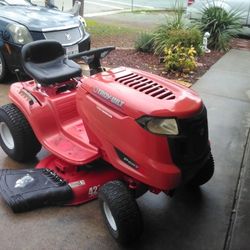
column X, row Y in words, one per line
column 27, row 189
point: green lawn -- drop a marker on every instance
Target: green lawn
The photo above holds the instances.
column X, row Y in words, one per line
column 103, row 34
column 100, row 29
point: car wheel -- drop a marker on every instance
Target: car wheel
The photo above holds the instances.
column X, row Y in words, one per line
column 3, row 68
column 205, row 174
column 17, row 138
column 121, row 212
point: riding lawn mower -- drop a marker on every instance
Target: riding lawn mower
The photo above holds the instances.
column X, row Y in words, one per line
column 113, row 135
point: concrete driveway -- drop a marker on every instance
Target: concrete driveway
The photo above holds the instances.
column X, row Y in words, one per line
column 216, row 216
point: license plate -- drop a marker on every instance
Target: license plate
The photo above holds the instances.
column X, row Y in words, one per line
column 71, row 50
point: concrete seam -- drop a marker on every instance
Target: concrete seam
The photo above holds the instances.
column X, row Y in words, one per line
column 213, row 68
column 237, row 192
column 227, row 97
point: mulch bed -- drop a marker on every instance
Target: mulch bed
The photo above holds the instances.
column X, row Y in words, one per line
column 151, row 62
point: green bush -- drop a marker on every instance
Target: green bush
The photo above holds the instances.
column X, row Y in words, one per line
column 145, row 42
column 175, row 31
column 222, row 26
column 180, row 58
column 186, row 37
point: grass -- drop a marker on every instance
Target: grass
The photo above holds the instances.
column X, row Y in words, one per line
column 103, row 34
column 102, row 29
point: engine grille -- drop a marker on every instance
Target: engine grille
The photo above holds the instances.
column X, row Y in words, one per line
column 146, row 86
column 65, row 37
column 192, row 143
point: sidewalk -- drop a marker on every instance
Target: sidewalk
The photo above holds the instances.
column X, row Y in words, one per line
column 141, row 19
column 225, row 89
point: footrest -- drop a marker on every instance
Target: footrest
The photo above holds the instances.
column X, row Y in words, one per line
column 27, row 189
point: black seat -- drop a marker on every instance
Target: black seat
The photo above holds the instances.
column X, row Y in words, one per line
column 46, row 62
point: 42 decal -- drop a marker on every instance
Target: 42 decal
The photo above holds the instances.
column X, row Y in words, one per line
column 93, row 191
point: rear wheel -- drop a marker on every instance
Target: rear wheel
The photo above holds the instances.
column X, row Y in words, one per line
column 17, row 138
column 205, row 174
column 121, row 212
column 3, row 68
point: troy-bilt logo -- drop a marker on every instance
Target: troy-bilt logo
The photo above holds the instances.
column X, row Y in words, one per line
column 107, row 96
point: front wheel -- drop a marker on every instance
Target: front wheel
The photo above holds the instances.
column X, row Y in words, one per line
column 16, row 135
column 121, row 212
column 205, row 174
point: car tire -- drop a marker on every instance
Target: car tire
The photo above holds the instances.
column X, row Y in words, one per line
column 3, row 68
column 205, row 174
column 17, row 138
column 121, row 212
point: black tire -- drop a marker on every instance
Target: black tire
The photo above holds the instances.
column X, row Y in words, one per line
column 205, row 174
column 3, row 68
column 121, row 212
column 17, row 138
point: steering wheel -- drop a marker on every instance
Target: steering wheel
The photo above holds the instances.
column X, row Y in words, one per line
column 93, row 57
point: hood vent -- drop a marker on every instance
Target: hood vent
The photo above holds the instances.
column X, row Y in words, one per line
column 146, row 86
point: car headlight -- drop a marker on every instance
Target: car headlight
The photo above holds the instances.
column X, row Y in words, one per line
column 161, row 126
column 19, row 33
column 82, row 20
column 82, row 28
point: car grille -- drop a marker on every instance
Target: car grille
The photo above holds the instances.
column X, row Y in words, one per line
column 192, row 144
column 65, row 37
column 146, row 86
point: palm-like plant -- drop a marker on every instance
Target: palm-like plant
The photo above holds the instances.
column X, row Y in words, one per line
column 221, row 24
column 162, row 34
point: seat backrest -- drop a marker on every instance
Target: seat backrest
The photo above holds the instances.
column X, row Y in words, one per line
column 46, row 62
column 42, row 51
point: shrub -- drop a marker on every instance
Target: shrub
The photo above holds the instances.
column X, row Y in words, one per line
column 221, row 24
column 161, row 35
column 144, row 42
column 179, row 58
column 176, row 31
column 187, row 37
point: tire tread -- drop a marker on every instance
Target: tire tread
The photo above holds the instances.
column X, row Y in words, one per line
column 26, row 143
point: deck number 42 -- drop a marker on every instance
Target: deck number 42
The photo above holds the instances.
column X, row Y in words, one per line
column 93, row 191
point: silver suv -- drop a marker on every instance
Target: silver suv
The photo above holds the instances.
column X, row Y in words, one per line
column 243, row 6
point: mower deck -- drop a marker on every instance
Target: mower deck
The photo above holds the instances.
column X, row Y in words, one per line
column 54, row 182
column 27, row 189
column 84, row 180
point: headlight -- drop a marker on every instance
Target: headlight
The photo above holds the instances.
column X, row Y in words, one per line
column 19, row 33
column 161, row 126
column 82, row 28
column 82, row 20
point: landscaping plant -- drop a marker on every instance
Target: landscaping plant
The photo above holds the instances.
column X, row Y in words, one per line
column 221, row 24
column 175, row 31
column 144, row 42
column 180, row 58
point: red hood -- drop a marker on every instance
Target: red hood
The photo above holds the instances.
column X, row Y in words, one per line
column 137, row 93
